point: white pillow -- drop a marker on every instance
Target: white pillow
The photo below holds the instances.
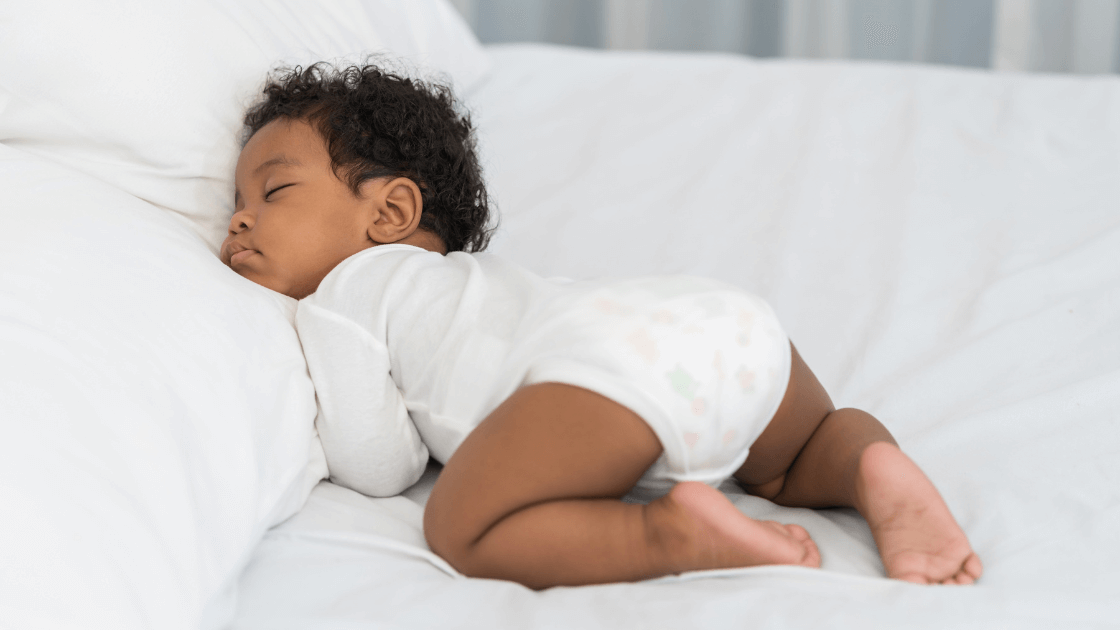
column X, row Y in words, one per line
column 148, row 96
column 157, row 411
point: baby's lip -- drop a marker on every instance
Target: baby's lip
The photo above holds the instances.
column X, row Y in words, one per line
column 236, row 248
column 241, row 255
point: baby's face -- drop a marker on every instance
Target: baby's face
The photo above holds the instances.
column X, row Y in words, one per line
column 294, row 220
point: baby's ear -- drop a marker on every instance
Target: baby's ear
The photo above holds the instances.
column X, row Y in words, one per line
column 397, row 208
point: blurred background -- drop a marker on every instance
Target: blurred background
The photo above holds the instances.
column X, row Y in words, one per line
column 1077, row 36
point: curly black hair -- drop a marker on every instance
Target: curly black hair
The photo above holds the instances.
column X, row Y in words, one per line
column 376, row 123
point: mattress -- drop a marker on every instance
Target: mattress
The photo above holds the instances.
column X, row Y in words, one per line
column 941, row 244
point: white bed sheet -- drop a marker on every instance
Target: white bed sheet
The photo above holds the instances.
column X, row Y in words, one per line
column 942, row 246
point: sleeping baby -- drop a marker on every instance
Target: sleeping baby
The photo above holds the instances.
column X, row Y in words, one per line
column 583, row 426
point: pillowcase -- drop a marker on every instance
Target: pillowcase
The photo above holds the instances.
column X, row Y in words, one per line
column 148, row 96
column 158, row 415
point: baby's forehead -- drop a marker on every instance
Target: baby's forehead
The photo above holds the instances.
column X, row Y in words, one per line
column 292, row 137
column 281, row 143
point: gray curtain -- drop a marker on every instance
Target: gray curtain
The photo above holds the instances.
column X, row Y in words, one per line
column 1035, row 35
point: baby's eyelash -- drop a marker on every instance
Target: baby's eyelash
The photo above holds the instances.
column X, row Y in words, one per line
column 275, row 189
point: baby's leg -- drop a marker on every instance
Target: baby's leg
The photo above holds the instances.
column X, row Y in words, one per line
column 812, row 455
column 532, row 495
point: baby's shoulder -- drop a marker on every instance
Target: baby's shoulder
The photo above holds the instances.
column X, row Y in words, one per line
column 376, row 269
column 356, row 287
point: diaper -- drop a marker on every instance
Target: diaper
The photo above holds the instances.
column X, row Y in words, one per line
column 704, row 363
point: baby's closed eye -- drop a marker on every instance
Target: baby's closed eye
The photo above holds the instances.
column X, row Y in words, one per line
column 269, row 193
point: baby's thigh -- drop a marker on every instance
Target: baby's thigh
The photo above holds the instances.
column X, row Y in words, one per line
column 804, row 406
column 547, row 441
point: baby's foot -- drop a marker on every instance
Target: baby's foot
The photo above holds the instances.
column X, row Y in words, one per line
column 699, row 528
column 918, row 538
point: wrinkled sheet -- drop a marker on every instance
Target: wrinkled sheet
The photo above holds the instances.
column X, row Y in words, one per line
column 943, row 246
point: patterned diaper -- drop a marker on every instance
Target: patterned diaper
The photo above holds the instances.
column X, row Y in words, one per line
column 704, row 363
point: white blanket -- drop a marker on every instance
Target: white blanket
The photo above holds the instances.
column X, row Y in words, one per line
column 940, row 244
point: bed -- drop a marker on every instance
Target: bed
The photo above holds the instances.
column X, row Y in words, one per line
column 940, row 243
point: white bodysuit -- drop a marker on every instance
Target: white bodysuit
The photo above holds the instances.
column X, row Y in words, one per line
column 409, row 350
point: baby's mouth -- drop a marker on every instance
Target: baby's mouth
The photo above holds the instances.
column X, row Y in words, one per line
column 241, row 256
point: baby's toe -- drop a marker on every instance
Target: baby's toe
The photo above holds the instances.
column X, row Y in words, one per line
column 970, row 570
column 966, row 573
column 812, row 557
column 973, row 567
column 798, row 532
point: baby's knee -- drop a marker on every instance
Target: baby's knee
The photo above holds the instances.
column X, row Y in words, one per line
column 444, row 539
column 451, row 536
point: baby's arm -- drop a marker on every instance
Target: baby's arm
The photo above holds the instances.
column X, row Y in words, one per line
column 369, row 440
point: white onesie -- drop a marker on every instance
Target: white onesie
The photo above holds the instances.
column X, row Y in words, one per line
column 409, row 350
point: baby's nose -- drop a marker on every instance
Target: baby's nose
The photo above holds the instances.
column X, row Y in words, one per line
column 240, row 222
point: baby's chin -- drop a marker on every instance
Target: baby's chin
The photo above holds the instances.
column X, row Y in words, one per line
column 290, row 288
column 294, row 290
column 256, row 278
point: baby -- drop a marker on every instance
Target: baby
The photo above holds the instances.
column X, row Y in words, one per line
column 359, row 193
